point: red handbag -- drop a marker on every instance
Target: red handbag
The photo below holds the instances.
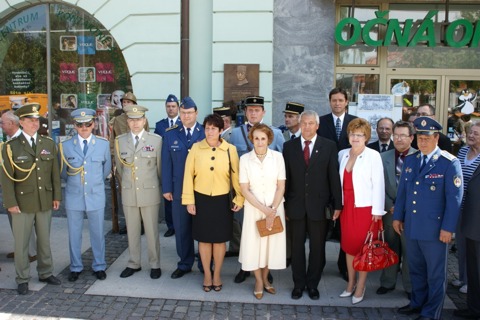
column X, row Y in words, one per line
column 375, row 254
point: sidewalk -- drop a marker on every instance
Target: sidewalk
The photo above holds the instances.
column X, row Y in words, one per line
column 140, row 297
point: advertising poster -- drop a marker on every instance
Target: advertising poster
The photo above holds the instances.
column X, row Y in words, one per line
column 20, row 81
column 13, row 102
column 68, row 101
column 68, row 43
column 85, row 45
column 87, row 100
column 68, row 72
column 104, row 72
column 86, row 74
column 104, row 43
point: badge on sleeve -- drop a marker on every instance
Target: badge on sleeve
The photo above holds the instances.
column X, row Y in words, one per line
column 457, row 181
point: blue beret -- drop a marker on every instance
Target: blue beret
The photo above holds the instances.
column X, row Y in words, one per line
column 172, row 98
column 188, row 103
column 83, row 115
column 426, row 125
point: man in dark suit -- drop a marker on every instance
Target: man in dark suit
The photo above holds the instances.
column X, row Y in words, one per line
column 428, row 110
column 311, row 166
column 333, row 126
column 384, row 133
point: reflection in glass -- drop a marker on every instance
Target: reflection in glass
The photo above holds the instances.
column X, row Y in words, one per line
column 356, row 84
column 421, row 91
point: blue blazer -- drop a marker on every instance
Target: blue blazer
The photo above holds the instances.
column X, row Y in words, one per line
column 238, row 140
column 163, row 125
column 429, row 200
column 175, row 150
column 89, row 195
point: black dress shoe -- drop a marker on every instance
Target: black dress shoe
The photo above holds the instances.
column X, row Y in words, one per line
column 128, row 272
column 297, row 294
column 466, row 314
column 241, row 276
column 179, row 273
column 423, row 318
column 169, row 233
column 289, row 262
column 383, row 290
column 313, row 294
column 51, row 280
column 270, row 278
column 230, row 254
column 408, row 310
column 22, row 288
column 73, row 276
column 101, row 275
column 155, row 273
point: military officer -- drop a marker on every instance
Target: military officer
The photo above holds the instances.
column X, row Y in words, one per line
column 172, row 119
column 177, row 143
column 137, row 157
column 31, row 189
column 226, row 114
column 426, row 210
column 292, row 120
column 86, row 163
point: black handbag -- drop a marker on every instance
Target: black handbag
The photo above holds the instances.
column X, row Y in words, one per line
column 231, row 192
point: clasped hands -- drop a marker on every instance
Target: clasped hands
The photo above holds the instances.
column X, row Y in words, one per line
column 270, row 213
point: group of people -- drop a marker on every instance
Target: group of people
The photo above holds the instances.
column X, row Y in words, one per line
column 217, row 186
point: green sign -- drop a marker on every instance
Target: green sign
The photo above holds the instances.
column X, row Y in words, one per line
column 411, row 34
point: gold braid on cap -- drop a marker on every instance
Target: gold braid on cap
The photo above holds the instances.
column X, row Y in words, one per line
column 74, row 171
column 14, row 166
column 125, row 163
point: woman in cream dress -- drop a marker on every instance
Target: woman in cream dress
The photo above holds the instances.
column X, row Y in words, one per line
column 262, row 181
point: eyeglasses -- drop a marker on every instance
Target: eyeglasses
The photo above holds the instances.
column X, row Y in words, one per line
column 83, row 124
column 400, row 136
column 356, row 135
column 422, row 114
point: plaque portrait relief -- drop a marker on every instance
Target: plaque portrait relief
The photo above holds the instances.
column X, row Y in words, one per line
column 240, row 81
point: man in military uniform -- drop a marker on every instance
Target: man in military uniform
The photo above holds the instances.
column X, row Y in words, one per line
column 138, row 158
column 172, row 119
column 176, row 145
column 226, row 114
column 426, row 210
column 292, row 120
column 86, row 163
column 31, row 189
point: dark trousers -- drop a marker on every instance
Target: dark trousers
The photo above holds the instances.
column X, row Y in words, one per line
column 168, row 213
column 182, row 221
column 473, row 275
column 308, row 273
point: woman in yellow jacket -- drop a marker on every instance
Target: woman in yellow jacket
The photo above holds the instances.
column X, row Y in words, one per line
column 206, row 186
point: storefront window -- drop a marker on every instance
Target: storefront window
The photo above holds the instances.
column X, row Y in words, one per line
column 358, row 84
column 359, row 53
column 87, row 66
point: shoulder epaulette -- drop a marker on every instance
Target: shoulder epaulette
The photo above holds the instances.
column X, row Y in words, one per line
column 413, row 154
column 102, row 138
column 121, row 135
column 447, row 155
column 172, row 127
column 47, row 137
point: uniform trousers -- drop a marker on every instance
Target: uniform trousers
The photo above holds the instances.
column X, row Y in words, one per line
column 388, row 278
column 32, row 246
column 97, row 238
column 182, row 222
column 134, row 217
column 427, row 262
column 168, row 214
column 22, row 224
column 473, row 270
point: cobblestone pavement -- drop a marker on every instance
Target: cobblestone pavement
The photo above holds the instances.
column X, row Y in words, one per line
column 70, row 301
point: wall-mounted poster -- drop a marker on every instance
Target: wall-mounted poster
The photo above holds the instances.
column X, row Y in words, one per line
column 68, row 101
column 68, row 72
column 240, row 81
column 86, row 74
column 104, row 43
column 20, row 81
column 86, row 45
column 103, row 100
column 68, row 43
column 104, row 72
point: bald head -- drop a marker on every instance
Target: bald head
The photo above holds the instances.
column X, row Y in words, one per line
column 10, row 123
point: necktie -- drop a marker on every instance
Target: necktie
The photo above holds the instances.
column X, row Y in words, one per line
column 384, row 147
column 249, row 126
column 292, row 137
column 424, row 162
column 171, row 123
column 85, row 147
column 136, row 141
column 398, row 167
column 189, row 135
column 34, row 146
column 306, row 152
column 338, row 128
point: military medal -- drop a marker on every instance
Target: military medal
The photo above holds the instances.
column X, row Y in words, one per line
column 457, row 181
column 432, row 188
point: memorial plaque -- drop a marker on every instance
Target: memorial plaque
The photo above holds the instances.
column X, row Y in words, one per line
column 240, row 81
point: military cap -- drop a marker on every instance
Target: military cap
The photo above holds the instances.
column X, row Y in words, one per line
column 171, row 98
column 83, row 115
column 129, row 96
column 254, row 101
column 188, row 103
column 135, row 112
column 426, row 126
column 29, row 110
column 294, row 107
column 223, row 111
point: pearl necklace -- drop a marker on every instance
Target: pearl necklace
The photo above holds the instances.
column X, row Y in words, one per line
column 261, row 155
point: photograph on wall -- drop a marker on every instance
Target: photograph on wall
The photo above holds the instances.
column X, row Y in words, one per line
column 68, row 43
column 86, row 45
column 240, row 81
column 104, row 72
column 104, row 43
column 68, row 72
column 86, row 74
column 68, row 101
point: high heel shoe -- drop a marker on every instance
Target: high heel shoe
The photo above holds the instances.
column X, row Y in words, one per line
column 270, row 289
column 258, row 295
column 356, row 300
column 346, row 294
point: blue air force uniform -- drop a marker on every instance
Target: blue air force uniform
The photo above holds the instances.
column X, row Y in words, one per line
column 162, row 126
column 175, row 149
column 85, row 191
column 428, row 201
column 244, row 145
